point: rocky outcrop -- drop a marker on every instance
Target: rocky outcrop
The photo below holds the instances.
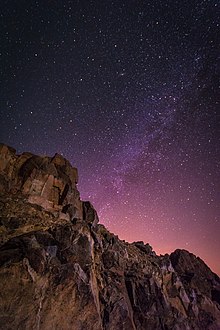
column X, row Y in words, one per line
column 60, row 269
column 49, row 182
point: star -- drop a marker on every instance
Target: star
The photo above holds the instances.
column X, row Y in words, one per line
column 130, row 95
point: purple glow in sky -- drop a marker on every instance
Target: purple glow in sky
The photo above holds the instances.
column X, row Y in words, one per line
column 129, row 93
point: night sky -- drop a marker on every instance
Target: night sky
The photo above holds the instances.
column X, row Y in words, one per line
column 128, row 91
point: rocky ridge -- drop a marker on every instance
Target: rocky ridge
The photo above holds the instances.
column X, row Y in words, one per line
column 60, row 269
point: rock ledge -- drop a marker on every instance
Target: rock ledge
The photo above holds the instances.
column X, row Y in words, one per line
column 60, row 269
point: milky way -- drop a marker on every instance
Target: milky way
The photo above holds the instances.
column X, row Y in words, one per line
column 128, row 91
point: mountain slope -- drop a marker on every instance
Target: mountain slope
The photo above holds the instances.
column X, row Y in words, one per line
column 60, row 269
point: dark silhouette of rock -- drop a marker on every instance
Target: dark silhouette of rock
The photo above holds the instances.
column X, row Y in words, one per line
column 60, row 269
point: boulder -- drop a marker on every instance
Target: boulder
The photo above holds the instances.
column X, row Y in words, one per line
column 50, row 182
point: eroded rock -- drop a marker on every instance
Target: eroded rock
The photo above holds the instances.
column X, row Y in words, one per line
column 50, row 182
column 60, row 269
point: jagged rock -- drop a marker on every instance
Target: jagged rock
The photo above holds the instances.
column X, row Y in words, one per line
column 46, row 181
column 90, row 214
column 144, row 247
column 60, row 269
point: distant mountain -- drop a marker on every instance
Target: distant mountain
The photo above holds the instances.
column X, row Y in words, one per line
column 61, row 270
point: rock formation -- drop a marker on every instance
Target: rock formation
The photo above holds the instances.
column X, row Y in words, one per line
column 60, row 269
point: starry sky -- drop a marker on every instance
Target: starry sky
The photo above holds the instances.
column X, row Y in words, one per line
column 129, row 92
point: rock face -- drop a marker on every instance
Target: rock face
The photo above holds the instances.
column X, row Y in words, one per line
column 60, row 269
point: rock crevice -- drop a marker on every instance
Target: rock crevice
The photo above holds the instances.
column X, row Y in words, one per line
column 61, row 269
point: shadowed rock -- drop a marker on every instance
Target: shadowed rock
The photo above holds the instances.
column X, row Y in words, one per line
column 46, row 181
column 60, row 269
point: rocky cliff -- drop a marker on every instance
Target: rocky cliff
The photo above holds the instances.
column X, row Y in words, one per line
column 61, row 270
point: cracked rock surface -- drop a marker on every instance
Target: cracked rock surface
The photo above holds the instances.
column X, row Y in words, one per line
column 61, row 269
